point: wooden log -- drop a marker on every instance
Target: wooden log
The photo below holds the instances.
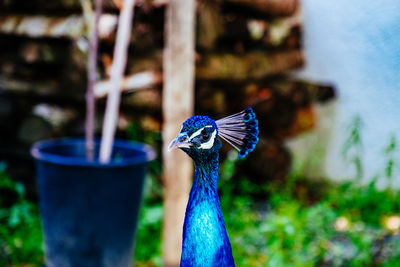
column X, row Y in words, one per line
column 32, row 61
column 44, row 87
column 270, row 161
column 268, row 7
column 293, row 100
column 283, row 32
column 148, row 99
column 319, row 92
column 254, row 65
column 147, row 36
column 150, row 62
column 178, row 103
column 69, row 6
column 211, row 99
column 41, row 26
column 39, row 52
column 294, row 103
column 304, row 120
column 220, row 99
column 211, row 26
column 228, row 66
column 226, row 30
column 301, row 91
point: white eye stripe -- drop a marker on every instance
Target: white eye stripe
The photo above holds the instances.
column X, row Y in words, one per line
column 209, row 144
column 198, row 132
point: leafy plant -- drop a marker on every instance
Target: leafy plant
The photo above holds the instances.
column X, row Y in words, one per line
column 148, row 239
column 20, row 231
column 353, row 147
column 391, row 164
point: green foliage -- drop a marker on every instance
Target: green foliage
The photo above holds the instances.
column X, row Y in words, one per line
column 291, row 232
column 20, row 232
column 335, row 225
column 138, row 133
column 353, row 147
column 391, row 165
column 148, row 238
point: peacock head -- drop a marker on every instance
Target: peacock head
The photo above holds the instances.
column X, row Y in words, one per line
column 199, row 135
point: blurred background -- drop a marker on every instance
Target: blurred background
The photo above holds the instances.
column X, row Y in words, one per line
column 320, row 189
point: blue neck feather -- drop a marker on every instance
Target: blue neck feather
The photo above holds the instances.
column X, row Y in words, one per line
column 205, row 240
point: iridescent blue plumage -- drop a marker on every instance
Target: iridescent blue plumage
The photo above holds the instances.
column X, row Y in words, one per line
column 205, row 240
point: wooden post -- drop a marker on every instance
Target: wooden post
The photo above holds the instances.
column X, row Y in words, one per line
column 178, row 102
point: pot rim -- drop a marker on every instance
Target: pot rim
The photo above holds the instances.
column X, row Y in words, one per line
column 146, row 154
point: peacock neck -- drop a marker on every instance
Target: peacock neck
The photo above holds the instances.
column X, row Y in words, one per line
column 205, row 240
column 206, row 173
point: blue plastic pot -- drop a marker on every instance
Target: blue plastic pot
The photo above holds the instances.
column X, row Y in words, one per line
column 89, row 210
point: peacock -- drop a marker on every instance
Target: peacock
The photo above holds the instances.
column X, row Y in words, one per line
column 205, row 240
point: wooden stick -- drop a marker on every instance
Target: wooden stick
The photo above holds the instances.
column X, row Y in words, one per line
column 117, row 70
column 92, row 77
column 141, row 80
column 178, row 103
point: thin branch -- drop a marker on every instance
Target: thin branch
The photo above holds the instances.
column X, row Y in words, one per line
column 117, row 70
column 92, row 77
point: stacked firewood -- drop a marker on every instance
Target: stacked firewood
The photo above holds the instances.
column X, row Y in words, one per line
column 244, row 53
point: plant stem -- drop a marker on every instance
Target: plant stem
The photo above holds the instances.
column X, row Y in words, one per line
column 117, row 69
column 92, row 76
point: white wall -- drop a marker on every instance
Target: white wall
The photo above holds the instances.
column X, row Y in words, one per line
column 354, row 44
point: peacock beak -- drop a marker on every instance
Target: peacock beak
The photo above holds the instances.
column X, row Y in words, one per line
column 181, row 141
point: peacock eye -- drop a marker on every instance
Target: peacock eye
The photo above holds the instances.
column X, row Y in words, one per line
column 205, row 136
